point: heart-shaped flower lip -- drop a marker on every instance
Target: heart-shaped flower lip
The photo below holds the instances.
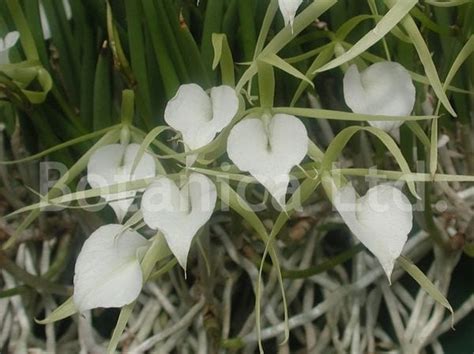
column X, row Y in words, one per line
column 179, row 213
column 288, row 9
column 198, row 116
column 381, row 220
column 6, row 43
column 383, row 88
column 268, row 150
column 107, row 271
column 112, row 164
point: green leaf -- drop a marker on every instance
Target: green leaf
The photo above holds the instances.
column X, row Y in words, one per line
column 339, row 115
column 402, row 176
column 266, row 84
column 385, row 25
column 223, row 55
column 65, row 310
column 25, row 73
column 424, row 282
column 212, row 24
column 145, row 145
column 306, row 17
column 165, row 63
column 73, row 172
column 448, row 3
column 61, row 146
column 323, row 57
column 102, row 103
column 26, row 38
column 425, row 57
column 279, row 63
column 462, row 56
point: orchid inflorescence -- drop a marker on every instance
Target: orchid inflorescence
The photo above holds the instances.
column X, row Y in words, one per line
column 268, row 144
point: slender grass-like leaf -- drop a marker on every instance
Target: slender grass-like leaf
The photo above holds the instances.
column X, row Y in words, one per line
column 402, row 176
column 277, row 62
column 212, row 24
column 60, row 146
column 65, row 310
column 223, row 55
column 389, row 21
column 447, row 3
column 166, row 66
column 425, row 56
column 338, row 115
column 424, row 282
column 73, row 172
column 240, row 206
column 102, row 103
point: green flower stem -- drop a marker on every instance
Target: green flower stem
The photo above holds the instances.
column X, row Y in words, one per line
column 266, row 84
column 128, row 107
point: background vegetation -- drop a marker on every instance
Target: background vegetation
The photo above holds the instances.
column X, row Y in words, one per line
column 71, row 85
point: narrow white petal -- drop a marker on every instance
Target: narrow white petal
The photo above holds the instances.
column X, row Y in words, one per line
column 269, row 152
column 381, row 220
column 383, row 88
column 112, row 164
column 199, row 117
column 107, row 271
column 179, row 213
column 288, row 9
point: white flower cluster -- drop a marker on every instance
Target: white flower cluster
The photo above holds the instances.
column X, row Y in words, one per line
column 268, row 147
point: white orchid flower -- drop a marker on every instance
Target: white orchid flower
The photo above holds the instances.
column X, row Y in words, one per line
column 381, row 220
column 44, row 19
column 198, row 116
column 107, row 271
column 6, row 44
column 112, row 164
column 383, row 88
column 288, row 9
column 269, row 149
column 179, row 213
